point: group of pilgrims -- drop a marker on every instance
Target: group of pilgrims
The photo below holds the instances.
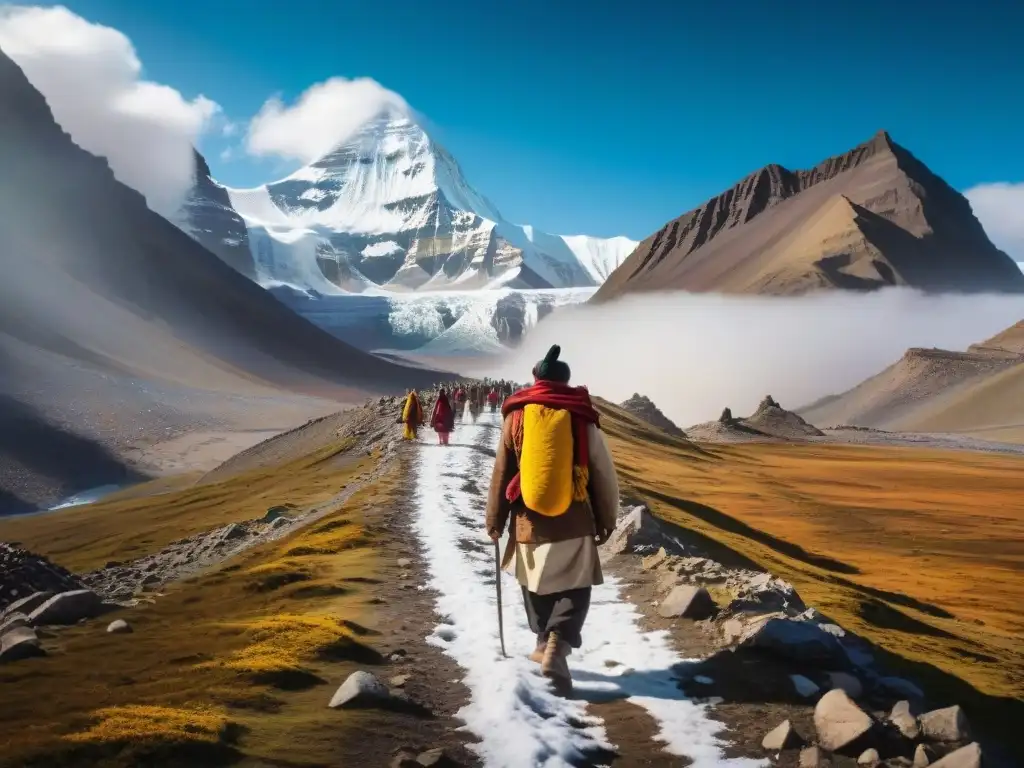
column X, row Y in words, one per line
column 553, row 489
column 468, row 398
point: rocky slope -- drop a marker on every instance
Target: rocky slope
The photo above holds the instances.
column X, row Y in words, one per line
column 644, row 408
column 979, row 392
column 117, row 327
column 769, row 422
column 871, row 217
column 207, row 215
column 390, row 208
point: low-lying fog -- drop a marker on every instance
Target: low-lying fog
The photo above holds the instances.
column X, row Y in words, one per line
column 694, row 354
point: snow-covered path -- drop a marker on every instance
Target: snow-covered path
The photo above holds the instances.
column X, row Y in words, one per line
column 519, row 722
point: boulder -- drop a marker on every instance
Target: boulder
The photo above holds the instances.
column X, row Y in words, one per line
column 360, row 689
column 636, row 528
column 904, row 720
column 813, row 757
column 923, row 756
column 781, row 737
column 26, row 604
column 900, row 687
column 804, row 686
column 653, row 561
column 67, row 608
column 688, row 602
column 273, row 513
column 965, row 757
column 404, row 562
column 20, row 643
column 869, row 757
column 847, row 682
column 119, row 627
column 435, row 758
column 947, row 724
column 839, row 721
column 799, row 641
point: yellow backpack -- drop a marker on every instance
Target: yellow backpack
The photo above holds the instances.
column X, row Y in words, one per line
column 546, row 460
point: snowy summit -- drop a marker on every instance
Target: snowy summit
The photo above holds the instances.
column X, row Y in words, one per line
column 390, row 208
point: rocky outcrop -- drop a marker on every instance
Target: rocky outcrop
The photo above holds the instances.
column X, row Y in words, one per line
column 772, row 419
column 644, row 408
column 870, row 217
column 28, row 579
column 207, row 215
column 67, row 608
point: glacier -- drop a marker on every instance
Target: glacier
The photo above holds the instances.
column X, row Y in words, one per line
column 389, row 210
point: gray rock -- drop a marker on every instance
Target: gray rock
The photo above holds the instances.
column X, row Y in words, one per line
column 67, row 608
column 869, row 757
column 797, row 640
column 26, row 604
column 13, row 621
column 399, row 681
column 813, row 757
column 781, row 737
column 839, row 721
column 804, row 686
column 233, row 531
column 965, row 757
column 948, row 724
column 361, row 689
column 119, row 627
column 280, row 522
column 923, row 756
column 404, row 562
column 904, row 720
column 275, row 513
column 653, row 561
column 688, row 602
column 847, row 682
column 20, row 643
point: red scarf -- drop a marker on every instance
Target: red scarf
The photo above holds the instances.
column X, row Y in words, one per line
column 561, row 397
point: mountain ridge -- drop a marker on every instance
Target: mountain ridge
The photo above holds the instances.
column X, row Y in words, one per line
column 389, row 209
column 736, row 242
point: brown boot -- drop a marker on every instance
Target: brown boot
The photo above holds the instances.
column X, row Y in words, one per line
column 537, row 657
column 555, row 666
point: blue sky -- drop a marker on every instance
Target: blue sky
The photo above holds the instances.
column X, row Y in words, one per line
column 611, row 118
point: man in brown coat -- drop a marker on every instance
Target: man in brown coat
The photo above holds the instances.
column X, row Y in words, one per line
column 555, row 557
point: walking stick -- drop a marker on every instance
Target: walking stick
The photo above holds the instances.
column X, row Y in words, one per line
column 497, row 582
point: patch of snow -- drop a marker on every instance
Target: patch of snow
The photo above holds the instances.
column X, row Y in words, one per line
column 383, row 248
column 512, row 709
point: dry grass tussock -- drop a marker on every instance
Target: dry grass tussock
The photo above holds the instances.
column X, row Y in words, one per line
column 86, row 538
column 919, row 551
column 235, row 664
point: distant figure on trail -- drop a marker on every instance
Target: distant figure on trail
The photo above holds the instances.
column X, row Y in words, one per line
column 460, row 395
column 554, row 483
column 443, row 417
column 474, row 396
column 412, row 415
column 492, row 399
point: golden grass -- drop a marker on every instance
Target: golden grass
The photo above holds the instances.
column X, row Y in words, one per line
column 919, row 551
column 237, row 662
column 85, row 538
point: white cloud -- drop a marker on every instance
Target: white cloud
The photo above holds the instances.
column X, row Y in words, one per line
column 92, row 79
column 323, row 116
column 1000, row 208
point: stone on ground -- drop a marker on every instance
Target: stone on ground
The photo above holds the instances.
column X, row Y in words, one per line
column 798, row 640
column 20, row 643
column 119, row 627
column 361, row 689
column 274, row 513
column 67, row 608
column 965, row 757
column 781, row 737
column 869, row 757
column 947, row 724
column 27, row 604
column 688, row 602
column 904, row 720
column 435, row 758
column 404, row 562
column 847, row 682
column 804, row 686
column 839, row 721
column 13, row 621
column 923, row 756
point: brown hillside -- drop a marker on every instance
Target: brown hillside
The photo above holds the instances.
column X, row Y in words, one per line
column 979, row 392
column 871, row 217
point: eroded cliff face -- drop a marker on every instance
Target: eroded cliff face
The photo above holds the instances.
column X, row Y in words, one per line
column 743, row 241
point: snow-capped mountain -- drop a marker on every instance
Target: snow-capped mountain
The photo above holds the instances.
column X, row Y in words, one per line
column 389, row 210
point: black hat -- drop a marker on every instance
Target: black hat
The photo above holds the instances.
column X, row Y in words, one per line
column 551, row 368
